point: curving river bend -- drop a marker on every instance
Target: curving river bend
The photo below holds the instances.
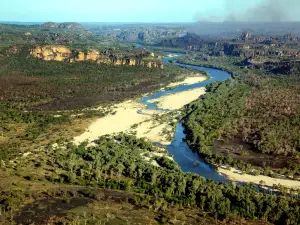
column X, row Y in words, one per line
column 183, row 155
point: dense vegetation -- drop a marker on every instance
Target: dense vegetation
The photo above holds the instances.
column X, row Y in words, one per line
column 55, row 85
column 116, row 163
column 261, row 110
column 213, row 111
column 57, row 204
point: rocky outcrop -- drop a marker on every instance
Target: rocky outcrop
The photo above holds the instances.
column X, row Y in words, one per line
column 57, row 53
column 139, row 33
column 64, row 54
column 278, row 67
column 62, row 25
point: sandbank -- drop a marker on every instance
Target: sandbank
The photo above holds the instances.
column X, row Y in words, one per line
column 196, row 78
column 235, row 175
column 178, row 100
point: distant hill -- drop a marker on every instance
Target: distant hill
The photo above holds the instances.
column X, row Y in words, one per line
column 235, row 28
column 67, row 25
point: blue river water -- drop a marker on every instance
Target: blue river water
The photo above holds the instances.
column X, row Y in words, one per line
column 188, row 160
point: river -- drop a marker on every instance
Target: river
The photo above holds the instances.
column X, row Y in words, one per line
column 188, row 160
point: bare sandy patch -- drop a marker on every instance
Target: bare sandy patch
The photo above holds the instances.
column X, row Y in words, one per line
column 178, row 100
column 153, row 131
column 124, row 117
column 161, row 154
column 236, row 175
column 196, row 78
column 149, row 157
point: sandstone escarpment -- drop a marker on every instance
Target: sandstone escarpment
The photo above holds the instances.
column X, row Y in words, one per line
column 65, row 54
column 57, row 53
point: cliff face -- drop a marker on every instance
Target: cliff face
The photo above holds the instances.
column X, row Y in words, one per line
column 57, row 53
column 64, row 54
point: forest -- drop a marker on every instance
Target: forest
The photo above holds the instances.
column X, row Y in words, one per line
column 60, row 86
column 116, row 163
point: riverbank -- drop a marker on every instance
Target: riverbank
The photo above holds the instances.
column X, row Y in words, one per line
column 133, row 117
column 236, row 175
column 223, row 68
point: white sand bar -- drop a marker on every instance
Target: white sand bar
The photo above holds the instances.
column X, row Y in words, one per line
column 126, row 115
column 178, row 100
column 196, row 78
column 234, row 175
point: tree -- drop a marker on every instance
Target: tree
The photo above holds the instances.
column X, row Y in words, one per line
column 262, row 183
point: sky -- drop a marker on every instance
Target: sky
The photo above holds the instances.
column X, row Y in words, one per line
column 121, row 10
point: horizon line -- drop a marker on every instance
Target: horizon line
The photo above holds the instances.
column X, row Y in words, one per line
column 163, row 22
